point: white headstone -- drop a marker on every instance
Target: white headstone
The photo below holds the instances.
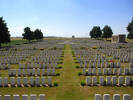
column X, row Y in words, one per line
column 114, row 80
column 126, row 97
column 88, row 80
column 127, row 80
column 32, row 81
column 42, row 97
column 121, row 80
column 49, row 81
column 5, row 81
column 16, row 97
column 12, row 81
column 18, row 81
column 94, row 80
column 106, row 97
column 98, row 97
column 25, row 81
column 37, row 81
column 108, row 80
column 99, row 71
column 33, row 97
column 24, row 97
column 7, row 97
column 116, row 97
column 101, row 80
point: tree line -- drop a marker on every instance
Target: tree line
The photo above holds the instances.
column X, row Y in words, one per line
column 28, row 34
column 37, row 34
column 32, row 35
column 106, row 32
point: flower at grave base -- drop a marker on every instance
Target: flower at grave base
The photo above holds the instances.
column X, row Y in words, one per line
column 41, row 48
column 111, row 61
column 94, row 47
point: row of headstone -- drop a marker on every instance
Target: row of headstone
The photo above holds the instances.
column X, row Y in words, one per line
column 109, row 81
column 19, row 82
column 40, row 65
column 47, row 56
column 11, row 60
column 101, row 65
column 31, row 72
column 4, row 66
column 23, row 97
column 13, row 56
column 107, row 71
column 115, row 97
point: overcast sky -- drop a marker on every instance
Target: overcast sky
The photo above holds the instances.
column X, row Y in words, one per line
column 66, row 17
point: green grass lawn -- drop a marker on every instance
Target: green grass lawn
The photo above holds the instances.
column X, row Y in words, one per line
column 69, row 84
column 14, row 42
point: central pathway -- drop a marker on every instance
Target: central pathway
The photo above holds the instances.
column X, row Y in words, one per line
column 69, row 88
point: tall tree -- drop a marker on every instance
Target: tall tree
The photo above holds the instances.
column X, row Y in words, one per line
column 96, row 32
column 107, row 32
column 4, row 33
column 130, row 30
column 28, row 34
column 38, row 34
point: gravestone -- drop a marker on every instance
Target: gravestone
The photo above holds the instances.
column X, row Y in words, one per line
column 115, row 71
column 89, row 71
column 12, row 81
column 127, row 80
column 16, row 97
column 108, row 80
column 33, row 72
column 19, row 72
column 42, row 97
column 18, row 81
column 120, row 71
column 99, row 71
column 43, row 72
column 101, row 80
column 32, row 81
column 106, row 97
column 126, row 97
column 43, row 81
column 7, row 97
column 25, row 97
column 37, row 81
column 94, row 80
column 120, row 80
column 49, row 81
column 105, row 71
column 93, row 71
column 25, row 81
column 131, row 71
column 38, row 72
column 114, row 80
column 24, row 72
column 33, row 97
column 5, row 81
column 116, row 97
column 126, row 71
column 110, row 71
column 88, row 80
column 98, row 97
